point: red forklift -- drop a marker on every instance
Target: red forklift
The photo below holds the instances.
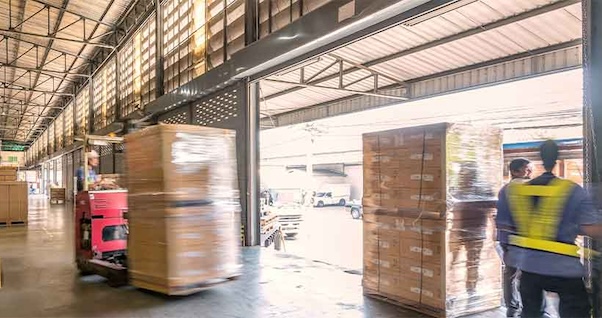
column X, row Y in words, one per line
column 101, row 228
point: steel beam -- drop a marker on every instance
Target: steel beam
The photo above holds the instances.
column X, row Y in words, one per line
column 56, row 38
column 8, row 36
column 26, row 115
column 28, row 105
column 471, row 32
column 52, row 77
column 518, row 56
column 59, row 19
column 307, row 85
column 33, row 69
column 529, row 59
column 79, row 15
column 26, row 89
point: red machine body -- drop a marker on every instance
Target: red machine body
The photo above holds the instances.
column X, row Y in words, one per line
column 101, row 227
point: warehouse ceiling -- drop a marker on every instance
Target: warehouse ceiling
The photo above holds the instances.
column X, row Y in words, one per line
column 46, row 47
column 465, row 44
column 539, row 108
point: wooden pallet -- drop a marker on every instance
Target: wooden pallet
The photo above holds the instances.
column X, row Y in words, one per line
column 411, row 305
column 9, row 223
column 182, row 290
column 268, row 229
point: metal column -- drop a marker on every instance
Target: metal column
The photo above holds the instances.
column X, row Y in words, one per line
column 159, row 58
column 251, row 21
column 592, row 117
column 253, row 184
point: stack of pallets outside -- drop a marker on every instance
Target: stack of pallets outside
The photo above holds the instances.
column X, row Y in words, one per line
column 429, row 201
column 184, row 208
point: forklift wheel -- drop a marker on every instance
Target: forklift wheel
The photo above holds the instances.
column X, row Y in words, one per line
column 83, row 270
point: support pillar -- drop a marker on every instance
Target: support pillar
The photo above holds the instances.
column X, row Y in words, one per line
column 592, row 133
column 251, row 21
column 253, row 209
column 159, row 58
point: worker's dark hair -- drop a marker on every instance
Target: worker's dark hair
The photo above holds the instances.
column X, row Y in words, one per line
column 549, row 154
column 517, row 164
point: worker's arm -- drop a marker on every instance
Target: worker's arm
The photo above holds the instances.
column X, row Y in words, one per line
column 588, row 216
column 503, row 218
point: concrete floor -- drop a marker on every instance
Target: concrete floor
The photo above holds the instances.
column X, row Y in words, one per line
column 40, row 280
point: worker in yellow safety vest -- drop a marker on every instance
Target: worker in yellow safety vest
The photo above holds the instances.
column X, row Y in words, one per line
column 539, row 221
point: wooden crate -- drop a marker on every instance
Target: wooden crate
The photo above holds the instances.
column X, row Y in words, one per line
column 13, row 202
column 184, row 208
column 429, row 197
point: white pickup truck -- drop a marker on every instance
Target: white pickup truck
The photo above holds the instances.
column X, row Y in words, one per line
column 333, row 194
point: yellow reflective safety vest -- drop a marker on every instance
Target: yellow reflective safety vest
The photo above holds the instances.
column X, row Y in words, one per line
column 537, row 225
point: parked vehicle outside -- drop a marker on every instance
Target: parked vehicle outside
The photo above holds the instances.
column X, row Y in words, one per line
column 355, row 209
column 332, row 194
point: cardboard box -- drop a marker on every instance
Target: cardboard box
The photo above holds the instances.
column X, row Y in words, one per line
column 13, row 202
column 184, row 208
column 429, row 201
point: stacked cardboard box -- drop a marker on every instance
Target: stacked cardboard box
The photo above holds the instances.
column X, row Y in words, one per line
column 8, row 174
column 57, row 195
column 184, row 208
column 13, row 202
column 429, row 201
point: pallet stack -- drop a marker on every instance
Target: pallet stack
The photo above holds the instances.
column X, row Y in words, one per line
column 429, row 201
column 13, row 203
column 57, row 195
column 184, row 209
column 8, row 174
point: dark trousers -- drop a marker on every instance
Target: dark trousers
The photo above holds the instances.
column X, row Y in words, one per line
column 574, row 300
column 510, row 286
column 511, row 294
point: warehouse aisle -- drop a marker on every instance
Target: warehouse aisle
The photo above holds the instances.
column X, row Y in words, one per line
column 40, row 279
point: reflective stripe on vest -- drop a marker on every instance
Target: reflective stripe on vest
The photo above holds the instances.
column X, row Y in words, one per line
column 537, row 225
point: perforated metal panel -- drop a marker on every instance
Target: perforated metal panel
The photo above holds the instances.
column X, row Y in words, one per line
column 119, row 158
column 217, row 109
column 176, row 116
column 227, row 109
column 106, row 165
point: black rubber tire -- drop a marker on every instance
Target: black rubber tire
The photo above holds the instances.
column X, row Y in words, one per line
column 355, row 213
column 342, row 202
column 320, row 204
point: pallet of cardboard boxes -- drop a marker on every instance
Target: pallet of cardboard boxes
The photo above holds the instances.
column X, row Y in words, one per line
column 184, row 208
column 429, row 201
column 13, row 202
column 57, row 195
column 8, row 174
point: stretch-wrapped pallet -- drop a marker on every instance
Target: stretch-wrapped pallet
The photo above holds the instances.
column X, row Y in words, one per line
column 429, row 201
column 184, row 208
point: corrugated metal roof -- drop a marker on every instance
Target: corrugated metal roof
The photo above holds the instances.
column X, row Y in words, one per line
column 43, row 43
column 452, row 40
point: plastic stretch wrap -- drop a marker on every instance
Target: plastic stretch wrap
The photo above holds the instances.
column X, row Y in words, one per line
column 184, row 213
column 429, row 202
